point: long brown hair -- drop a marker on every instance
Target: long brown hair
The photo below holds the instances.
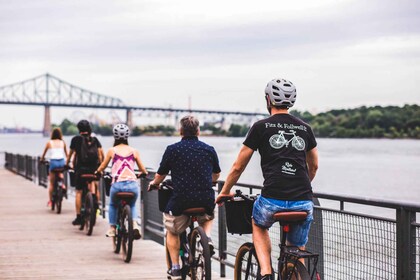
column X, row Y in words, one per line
column 56, row 134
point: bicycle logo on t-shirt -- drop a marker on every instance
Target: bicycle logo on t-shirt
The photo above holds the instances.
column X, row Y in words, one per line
column 277, row 141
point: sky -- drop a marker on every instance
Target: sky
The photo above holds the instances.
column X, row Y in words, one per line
column 213, row 54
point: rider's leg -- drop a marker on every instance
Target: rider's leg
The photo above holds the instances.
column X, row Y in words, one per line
column 173, row 245
column 207, row 227
column 78, row 201
column 51, row 185
column 175, row 225
column 262, row 245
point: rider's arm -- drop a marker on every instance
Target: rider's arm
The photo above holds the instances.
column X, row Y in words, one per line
column 101, row 154
column 47, row 146
column 105, row 162
column 158, row 179
column 139, row 162
column 69, row 156
column 312, row 162
column 65, row 149
column 238, row 167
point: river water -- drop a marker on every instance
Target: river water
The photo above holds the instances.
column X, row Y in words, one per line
column 374, row 168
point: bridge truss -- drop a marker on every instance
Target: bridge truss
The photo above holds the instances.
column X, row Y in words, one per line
column 48, row 90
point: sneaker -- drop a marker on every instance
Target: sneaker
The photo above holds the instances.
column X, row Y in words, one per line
column 77, row 221
column 136, row 230
column 110, row 232
column 174, row 274
column 211, row 246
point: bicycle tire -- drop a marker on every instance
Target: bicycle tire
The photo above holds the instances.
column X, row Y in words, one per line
column 200, row 258
column 127, row 233
column 90, row 214
column 116, row 240
column 53, row 203
column 58, row 204
column 299, row 273
column 58, row 199
column 246, row 263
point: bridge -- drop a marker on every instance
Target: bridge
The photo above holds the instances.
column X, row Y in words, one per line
column 48, row 91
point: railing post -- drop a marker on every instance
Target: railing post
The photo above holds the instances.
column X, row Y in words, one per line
column 405, row 244
column 222, row 234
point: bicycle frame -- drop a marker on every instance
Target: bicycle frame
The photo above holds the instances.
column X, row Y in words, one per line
column 292, row 254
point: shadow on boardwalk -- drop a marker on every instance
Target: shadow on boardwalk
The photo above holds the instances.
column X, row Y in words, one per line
column 36, row 243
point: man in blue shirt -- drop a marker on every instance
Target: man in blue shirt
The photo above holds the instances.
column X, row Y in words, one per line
column 194, row 165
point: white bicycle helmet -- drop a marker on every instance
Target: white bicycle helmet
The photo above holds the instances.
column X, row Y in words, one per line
column 121, row 131
column 281, row 92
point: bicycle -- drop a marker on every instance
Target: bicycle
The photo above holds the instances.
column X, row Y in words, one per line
column 58, row 191
column 277, row 141
column 195, row 252
column 289, row 265
column 124, row 232
column 89, row 204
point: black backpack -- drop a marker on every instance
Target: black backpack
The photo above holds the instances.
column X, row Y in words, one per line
column 88, row 151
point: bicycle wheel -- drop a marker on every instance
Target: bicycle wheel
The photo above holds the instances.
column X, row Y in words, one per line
column 90, row 214
column 58, row 201
column 58, row 197
column 246, row 262
column 127, row 233
column 116, row 240
column 200, row 258
column 298, row 272
column 53, row 202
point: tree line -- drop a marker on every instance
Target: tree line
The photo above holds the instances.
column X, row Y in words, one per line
column 366, row 122
column 362, row 122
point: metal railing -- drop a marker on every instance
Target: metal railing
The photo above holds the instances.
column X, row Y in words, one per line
column 352, row 243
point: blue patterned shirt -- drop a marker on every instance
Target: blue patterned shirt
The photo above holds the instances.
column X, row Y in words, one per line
column 191, row 163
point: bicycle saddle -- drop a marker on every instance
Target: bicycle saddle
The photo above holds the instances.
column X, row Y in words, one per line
column 58, row 170
column 290, row 216
column 89, row 177
column 194, row 211
column 125, row 195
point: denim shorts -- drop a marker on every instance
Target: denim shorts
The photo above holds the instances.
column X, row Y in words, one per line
column 56, row 163
column 265, row 208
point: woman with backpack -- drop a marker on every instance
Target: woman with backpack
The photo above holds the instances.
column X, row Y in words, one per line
column 124, row 178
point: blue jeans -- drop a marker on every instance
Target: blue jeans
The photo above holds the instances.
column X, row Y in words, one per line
column 123, row 186
column 265, row 208
column 56, row 163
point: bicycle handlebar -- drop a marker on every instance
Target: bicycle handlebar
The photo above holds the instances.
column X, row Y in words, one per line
column 238, row 193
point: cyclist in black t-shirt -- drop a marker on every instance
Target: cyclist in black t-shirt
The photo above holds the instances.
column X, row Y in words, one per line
column 289, row 161
column 83, row 164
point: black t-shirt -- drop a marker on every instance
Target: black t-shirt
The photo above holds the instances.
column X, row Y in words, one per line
column 76, row 144
column 282, row 141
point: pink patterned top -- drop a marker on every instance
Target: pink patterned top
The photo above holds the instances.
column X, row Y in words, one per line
column 123, row 168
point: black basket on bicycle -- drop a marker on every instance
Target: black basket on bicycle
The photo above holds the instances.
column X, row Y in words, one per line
column 72, row 177
column 239, row 215
column 164, row 194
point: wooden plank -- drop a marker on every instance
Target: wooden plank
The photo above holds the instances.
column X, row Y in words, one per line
column 36, row 243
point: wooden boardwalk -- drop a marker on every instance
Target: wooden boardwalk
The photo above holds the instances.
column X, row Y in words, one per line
column 36, row 243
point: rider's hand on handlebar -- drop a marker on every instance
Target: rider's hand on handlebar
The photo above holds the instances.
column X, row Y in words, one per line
column 222, row 197
column 152, row 186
